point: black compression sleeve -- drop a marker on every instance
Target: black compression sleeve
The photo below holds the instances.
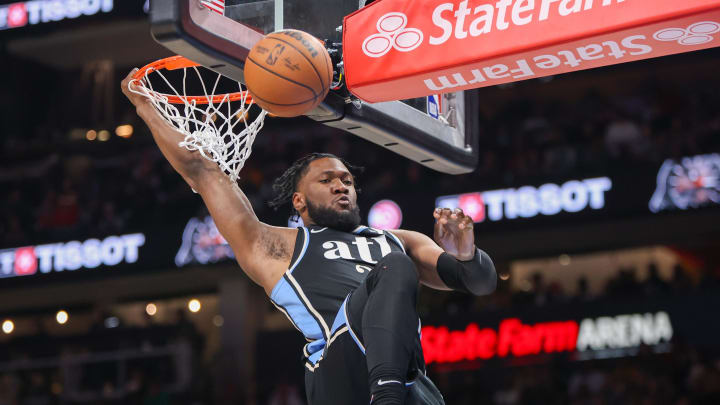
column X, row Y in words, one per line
column 476, row 276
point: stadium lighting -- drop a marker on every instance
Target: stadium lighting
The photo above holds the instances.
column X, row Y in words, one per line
column 91, row 135
column 194, row 305
column 151, row 309
column 8, row 326
column 124, row 131
column 61, row 317
column 103, row 135
column 564, row 260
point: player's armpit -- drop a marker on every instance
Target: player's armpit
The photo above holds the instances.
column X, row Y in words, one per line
column 425, row 253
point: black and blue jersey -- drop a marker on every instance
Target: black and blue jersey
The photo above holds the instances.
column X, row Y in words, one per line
column 326, row 266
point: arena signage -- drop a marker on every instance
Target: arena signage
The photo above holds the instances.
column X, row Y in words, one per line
column 690, row 182
column 528, row 201
column 36, row 12
column 202, row 244
column 385, row 214
column 397, row 49
column 513, row 338
column 74, row 255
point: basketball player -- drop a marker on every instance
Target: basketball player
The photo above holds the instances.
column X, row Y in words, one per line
column 351, row 290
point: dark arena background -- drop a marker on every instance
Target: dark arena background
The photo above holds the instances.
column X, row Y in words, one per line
column 597, row 193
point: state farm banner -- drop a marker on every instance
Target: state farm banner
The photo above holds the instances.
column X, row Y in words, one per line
column 605, row 328
column 396, row 49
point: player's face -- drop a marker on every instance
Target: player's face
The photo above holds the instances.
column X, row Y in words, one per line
column 326, row 195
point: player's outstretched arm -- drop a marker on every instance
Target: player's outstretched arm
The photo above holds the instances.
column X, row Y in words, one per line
column 451, row 261
column 263, row 251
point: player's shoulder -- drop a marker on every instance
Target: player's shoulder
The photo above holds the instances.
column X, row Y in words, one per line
column 412, row 239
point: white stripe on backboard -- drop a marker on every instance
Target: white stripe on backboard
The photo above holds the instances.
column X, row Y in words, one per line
column 217, row 6
column 279, row 15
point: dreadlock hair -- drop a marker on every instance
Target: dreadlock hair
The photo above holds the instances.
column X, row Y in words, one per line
column 286, row 185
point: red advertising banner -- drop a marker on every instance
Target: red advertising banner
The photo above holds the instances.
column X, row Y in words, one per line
column 397, row 49
column 586, row 338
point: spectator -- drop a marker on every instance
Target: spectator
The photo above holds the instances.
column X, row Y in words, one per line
column 654, row 284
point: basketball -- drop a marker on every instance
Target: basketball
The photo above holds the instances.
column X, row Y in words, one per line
column 288, row 73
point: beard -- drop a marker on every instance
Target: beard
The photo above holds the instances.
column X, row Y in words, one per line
column 345, row 221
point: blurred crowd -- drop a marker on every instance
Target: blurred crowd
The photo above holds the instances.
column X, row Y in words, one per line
column 538, row 292
column 109, row 363
column 683, row 376
column 57, row 187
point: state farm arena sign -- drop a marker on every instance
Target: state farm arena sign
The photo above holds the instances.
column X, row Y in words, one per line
column 513, row 338
column 68, row 256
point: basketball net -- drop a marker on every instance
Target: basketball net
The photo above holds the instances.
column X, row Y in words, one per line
column 218, row 126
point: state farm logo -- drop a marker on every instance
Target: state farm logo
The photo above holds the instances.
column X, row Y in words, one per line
column 695, row 34
column 392, row 34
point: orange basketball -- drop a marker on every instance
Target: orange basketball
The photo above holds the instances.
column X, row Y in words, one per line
column 288, row 73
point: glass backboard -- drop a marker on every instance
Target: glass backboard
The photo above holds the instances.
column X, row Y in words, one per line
column 434, row 130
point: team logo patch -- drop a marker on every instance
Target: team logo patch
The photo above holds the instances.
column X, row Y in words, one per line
column 692, row 182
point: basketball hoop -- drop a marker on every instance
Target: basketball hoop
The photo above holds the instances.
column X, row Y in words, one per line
column 218, row 126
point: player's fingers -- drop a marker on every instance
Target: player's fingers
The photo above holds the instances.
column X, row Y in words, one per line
column 466, row 223
column 438, row 231
column 129, row 76
column 436, row 213
column 445, row 215
column 125, row 84
column 458, row 213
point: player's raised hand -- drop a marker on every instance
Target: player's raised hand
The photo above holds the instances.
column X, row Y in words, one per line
column 454, row 233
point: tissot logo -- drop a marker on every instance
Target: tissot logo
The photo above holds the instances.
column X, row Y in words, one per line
column 528, row 201
column 74, row 255
column 392, row 33
column 42, row 11
column 696, row 34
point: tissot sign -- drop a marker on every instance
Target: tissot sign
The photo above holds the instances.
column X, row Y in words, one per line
column 513, row 338
column 398, row 49
column 68, row 256
column 36, row 12
column 529, row 201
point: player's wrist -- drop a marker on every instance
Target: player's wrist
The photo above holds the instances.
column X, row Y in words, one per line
column 144, row 110
column 466, row 257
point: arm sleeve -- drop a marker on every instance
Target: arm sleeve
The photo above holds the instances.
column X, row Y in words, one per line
column 476, row 276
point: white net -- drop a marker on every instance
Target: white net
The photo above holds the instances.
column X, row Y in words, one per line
column 219, row 127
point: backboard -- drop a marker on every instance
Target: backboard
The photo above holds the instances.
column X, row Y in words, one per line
column 434, row 131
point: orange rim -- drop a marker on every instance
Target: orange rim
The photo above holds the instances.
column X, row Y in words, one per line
column 181, row 62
